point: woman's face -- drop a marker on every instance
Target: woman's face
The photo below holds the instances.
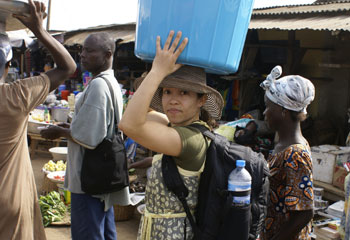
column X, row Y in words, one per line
column 273, row 114
column 181, row 107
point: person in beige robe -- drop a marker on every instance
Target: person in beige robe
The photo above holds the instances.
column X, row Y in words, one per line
column 20, row 216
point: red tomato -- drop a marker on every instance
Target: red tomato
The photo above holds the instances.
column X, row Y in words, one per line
column 57, row 177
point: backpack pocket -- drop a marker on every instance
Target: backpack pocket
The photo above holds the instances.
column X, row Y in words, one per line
column 236, row 221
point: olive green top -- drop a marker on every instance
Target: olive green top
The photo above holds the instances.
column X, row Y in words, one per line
column 194, row 147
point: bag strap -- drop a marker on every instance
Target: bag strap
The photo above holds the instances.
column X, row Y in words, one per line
column 204, row 130
column 112, row 96
column 113, row 102
column 175, row 184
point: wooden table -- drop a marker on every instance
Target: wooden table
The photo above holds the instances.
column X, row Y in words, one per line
column 330, row 192
column 36, row 138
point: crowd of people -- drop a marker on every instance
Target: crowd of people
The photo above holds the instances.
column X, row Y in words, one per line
column 178, row 96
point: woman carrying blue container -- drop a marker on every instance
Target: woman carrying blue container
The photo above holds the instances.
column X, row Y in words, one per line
column 181, row 93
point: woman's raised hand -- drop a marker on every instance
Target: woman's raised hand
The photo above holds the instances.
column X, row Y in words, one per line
column 165, row 61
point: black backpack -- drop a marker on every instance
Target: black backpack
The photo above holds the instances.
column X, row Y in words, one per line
column 215, row 217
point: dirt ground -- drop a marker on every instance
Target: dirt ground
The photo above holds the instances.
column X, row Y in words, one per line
column 126, row 230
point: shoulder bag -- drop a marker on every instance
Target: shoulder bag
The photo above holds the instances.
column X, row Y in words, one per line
column 104, row 169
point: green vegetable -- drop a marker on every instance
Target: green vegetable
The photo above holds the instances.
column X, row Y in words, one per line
column 52, row 208
column 132, row 171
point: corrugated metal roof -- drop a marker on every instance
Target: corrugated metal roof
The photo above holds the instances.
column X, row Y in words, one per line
column 267, row 4
column 300, row 9
column 314, row 22
column 124, row 32
column 285, row 4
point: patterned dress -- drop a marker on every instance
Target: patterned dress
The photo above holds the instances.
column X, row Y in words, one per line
column 164, row 216
column 291, row 188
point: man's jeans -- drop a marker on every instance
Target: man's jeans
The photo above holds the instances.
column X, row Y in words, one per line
column 89, row 220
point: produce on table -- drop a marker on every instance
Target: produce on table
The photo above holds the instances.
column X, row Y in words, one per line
column 52, row 208
column 51, row 166
column 132, row 171
column 137, row 186
column 58, row 177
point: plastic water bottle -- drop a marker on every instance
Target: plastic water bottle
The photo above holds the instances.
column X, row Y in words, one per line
column 240, row 180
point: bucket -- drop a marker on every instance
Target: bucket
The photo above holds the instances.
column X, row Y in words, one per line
column 216, row 30
column 64, row 94
column 9, row 7
column 59, row 114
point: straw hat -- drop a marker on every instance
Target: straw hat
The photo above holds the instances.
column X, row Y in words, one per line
column 190, row 79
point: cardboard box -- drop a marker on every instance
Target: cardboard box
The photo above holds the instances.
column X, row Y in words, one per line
column 342, row 156
column 324, row 160
column 339, row 175
column 323, row 165
column 326, row 233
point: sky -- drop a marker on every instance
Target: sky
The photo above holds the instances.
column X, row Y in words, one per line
column 76, row 14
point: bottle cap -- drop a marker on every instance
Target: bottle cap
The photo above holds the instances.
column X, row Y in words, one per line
column 240, row 163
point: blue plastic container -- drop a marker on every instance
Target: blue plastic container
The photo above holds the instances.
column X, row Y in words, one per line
column 216, row 30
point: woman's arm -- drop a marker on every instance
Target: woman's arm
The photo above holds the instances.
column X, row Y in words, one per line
column 297, row 221
column 154, row 135
column 65, row 63
column 144, row 163
column 157, row 117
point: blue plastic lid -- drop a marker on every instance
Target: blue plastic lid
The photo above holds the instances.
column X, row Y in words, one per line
column 240, row 163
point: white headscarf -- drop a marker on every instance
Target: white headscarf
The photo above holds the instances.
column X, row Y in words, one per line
column 5, row 54
column 292, row 92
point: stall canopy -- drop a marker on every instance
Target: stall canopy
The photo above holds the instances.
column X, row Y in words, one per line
column 121, row 32
column 331, row 16
column 19, row 37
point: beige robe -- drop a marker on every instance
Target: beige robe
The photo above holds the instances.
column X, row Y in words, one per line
column 20, row 216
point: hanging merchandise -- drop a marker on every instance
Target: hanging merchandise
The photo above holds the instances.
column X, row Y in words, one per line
column 86, row 78
column 79, row 87
column 127, row 95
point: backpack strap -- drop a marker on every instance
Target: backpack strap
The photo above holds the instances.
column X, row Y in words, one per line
column 204, row 130
column 175, row 184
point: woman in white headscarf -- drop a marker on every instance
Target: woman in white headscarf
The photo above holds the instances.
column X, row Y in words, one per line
column 290, row 207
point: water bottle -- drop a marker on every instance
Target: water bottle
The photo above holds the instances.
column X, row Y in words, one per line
column 240, row 180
